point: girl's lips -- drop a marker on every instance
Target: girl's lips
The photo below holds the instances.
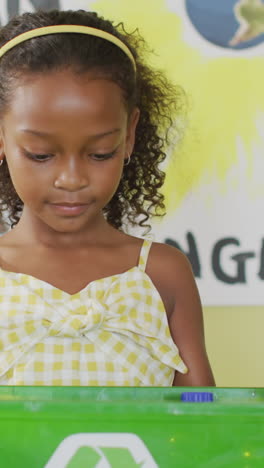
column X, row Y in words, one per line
column 69, row 209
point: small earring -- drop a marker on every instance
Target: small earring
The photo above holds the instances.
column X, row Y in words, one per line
column 1, row 162
column 127, row 160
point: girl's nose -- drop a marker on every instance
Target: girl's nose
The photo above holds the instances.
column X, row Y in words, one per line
column 71, row 176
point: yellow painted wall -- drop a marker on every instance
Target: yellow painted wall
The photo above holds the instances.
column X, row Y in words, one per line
column 235, row 345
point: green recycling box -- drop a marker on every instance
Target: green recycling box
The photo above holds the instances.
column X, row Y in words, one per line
column 78, row 427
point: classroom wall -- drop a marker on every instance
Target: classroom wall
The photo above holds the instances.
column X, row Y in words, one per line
column 214, row 187
column 234, row 338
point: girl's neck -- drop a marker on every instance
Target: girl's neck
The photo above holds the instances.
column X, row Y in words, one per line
column 32, row 231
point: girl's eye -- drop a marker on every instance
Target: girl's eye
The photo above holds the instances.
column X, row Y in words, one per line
column 103, row 157
column 46, row 157
column 38, row 157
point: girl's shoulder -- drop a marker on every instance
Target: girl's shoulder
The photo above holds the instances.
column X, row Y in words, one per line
column 171, row 273
column 4, row 243
column 168, row 259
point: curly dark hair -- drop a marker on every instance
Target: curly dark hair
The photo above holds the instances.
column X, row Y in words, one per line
column 138, row 195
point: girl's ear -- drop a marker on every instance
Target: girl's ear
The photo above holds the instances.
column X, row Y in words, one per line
column 131, row 129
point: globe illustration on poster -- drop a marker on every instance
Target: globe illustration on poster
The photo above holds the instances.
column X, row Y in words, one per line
column 232, row 24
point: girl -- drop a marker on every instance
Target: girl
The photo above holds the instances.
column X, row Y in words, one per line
column 83, row 121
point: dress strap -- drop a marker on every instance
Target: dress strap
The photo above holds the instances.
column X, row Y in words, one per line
column 144, row 253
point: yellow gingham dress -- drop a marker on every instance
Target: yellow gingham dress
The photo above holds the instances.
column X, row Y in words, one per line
column 114, row 332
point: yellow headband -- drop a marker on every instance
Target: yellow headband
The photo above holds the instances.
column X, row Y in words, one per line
column 67, row 28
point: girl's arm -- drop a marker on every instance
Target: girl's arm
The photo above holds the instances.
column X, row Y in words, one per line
column 172, row 274
column 187, row 329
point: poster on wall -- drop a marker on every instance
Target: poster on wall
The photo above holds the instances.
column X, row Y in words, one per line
column 214, row 187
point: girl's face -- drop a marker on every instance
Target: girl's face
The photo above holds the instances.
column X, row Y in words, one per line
column 65, row 138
